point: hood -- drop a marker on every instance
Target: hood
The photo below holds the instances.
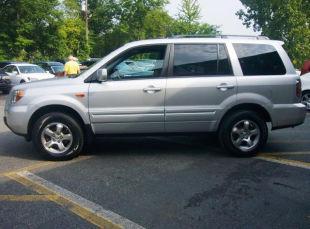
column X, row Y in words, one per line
column 47, row 83
column 39, row 76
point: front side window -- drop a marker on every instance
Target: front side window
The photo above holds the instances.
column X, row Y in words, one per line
column 142, row 62
column 10, row 69
column 259, row 59
column 201, row 60
column 31, row 69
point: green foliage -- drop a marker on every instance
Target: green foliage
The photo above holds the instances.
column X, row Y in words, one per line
column 189, row 11
column 52, row 29
column 287, row 20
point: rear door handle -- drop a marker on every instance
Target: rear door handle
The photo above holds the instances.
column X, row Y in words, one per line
column 151, row 89
column 225, row 87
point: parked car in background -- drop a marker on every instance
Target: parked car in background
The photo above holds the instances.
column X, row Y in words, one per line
column 22, row 73
column 233, row 87
column 55, row 68
column 84, row 65
column 305, row 80
column 5, row 63
column 5, row 82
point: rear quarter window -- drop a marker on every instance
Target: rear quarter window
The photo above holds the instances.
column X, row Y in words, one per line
column 259, row 59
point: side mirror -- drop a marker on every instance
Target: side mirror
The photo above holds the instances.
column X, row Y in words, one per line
column 102, row 75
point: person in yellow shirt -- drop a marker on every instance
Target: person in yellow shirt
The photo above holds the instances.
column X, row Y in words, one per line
column 72, row 68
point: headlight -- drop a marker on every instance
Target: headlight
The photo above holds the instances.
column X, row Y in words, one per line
column 17, row 95
column 5, row 77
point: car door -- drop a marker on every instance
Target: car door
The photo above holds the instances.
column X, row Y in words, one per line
column 132, row 99
column 200, row 86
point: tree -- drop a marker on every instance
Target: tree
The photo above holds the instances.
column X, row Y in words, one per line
column 72, row 30
column 190, row 11
column 287, row 20
column 158, row 24
column 188, row 23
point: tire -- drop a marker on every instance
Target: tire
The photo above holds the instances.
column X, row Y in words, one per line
column 243, row 133
column 22, row 81
column 5, row 92
column 305, row 98
column 54, row 144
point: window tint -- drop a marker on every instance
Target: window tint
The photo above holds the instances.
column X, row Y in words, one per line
column 259, row 59
column 143, row 62
column 200, row 60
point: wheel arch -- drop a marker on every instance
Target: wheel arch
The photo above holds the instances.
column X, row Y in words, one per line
column 54, row 108
column 259, row 109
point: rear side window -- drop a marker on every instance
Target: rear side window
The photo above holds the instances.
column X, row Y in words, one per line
column 201, row 60
column 259, row 59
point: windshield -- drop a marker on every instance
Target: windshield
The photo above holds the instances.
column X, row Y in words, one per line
column 58, row 68
column 31, row 69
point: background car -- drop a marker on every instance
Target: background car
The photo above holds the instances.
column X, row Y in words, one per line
column 84, row 65
column 5, row 63
column 305, row 80
column 5, row 82
column 22, row 73
column 55, row 68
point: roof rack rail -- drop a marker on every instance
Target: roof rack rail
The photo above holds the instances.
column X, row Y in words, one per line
column 223, row 36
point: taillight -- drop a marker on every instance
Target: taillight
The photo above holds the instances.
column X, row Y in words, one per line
column 298, row 88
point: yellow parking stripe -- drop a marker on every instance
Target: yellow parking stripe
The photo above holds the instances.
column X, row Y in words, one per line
column 299, row 164
column 43, row 164
column 29, row 168
column 81, row 211
column 284, row 154
column 25, row 198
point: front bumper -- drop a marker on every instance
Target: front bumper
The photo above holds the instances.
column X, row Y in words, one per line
column 288, row 115
column 5, row 86
column 16, row 119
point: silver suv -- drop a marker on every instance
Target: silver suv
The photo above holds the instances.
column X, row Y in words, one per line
column 232, row 86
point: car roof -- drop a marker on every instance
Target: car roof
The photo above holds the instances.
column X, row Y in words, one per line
column 185, row 40
column 51, row 63
column 23, row 64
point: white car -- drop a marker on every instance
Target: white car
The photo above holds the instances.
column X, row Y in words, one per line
column 22, row 73
column 305, row 80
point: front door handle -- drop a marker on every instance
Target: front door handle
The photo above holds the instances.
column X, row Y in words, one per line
column 225, row 87
column 151, row 89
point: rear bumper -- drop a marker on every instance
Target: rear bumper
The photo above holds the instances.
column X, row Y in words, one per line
column 288, row 115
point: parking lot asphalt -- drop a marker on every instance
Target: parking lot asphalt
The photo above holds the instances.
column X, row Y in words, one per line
column 157, row 182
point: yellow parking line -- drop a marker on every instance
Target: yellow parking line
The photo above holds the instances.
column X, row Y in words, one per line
column 45, row 164
column 25, row 198
column 299, row 164
column 91, row 215
column 83, row 213
column 29, row 168
column 288, row 141
column 284, row 154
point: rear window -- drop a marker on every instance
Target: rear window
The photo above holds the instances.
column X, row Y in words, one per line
column 259, row 59
column 201, row 60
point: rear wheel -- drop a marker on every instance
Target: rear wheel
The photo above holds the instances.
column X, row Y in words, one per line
column 58, row 136
column 22, row 81
column 243, row 133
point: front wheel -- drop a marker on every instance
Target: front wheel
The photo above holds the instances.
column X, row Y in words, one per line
column 58, row 136
column 243, row 133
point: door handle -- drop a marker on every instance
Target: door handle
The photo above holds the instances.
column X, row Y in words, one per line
column 151, row 89
column 225, row 87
